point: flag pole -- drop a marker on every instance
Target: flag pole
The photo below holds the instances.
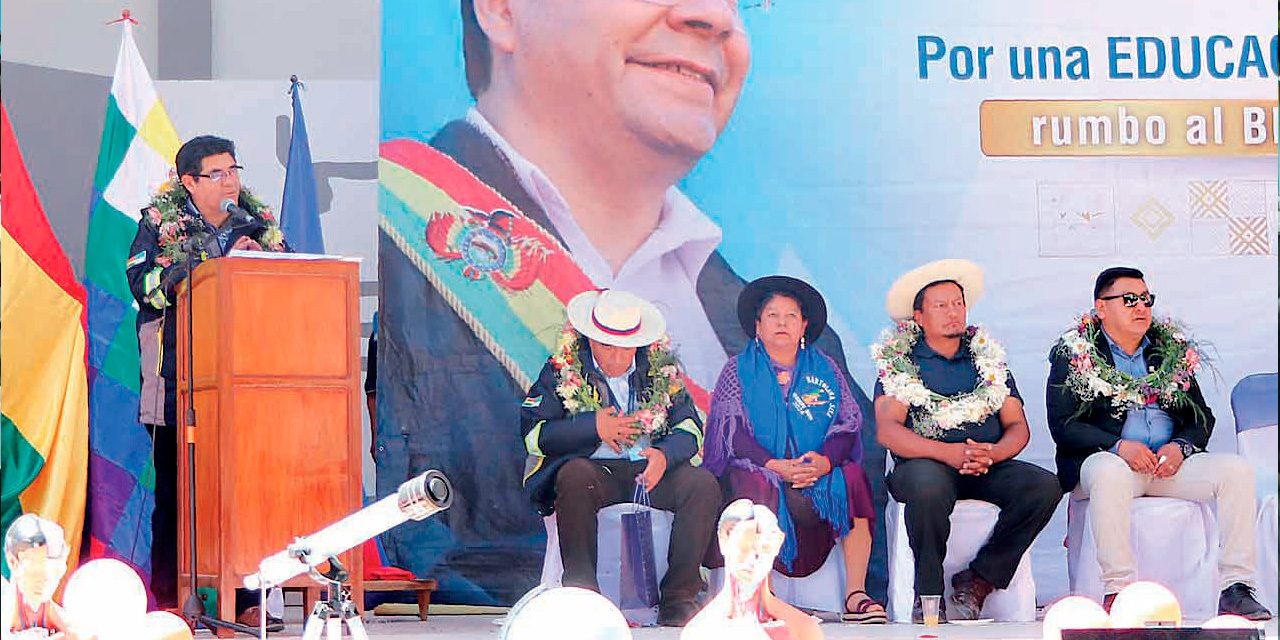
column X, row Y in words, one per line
column 192, row 609
column 125, row 16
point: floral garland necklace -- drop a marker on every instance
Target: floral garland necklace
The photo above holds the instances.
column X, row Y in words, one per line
column 933, row 413
column 1090, row 376
column 579, row 396
column 174, row 223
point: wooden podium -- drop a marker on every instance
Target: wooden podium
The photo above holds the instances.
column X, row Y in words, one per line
column 277, row 431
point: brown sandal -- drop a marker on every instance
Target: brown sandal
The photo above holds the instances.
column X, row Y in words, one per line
column 867, row 611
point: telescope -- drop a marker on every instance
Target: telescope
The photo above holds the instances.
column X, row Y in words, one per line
column 417, row 499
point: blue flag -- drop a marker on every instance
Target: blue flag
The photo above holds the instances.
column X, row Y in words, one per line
column 299, row 214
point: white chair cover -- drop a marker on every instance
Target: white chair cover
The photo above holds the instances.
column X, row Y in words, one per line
column 1253, row 402
column 1267, row 553
column 1175, row 543
column 971, row 525
column 822, row 590
column 609, row 553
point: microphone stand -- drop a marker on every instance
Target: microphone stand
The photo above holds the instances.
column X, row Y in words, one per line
column 193, row 607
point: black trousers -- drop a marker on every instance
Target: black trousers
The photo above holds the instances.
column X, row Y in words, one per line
column 1026, row 494
column 164, row 520
column 584, row 486
column 164, row 523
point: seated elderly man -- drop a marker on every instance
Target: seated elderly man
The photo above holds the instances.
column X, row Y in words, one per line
column 608, row 412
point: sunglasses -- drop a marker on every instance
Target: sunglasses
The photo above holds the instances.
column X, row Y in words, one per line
column 1132, row 299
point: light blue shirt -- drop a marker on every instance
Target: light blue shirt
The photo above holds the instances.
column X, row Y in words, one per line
column 626, row 403
column 1148, row 424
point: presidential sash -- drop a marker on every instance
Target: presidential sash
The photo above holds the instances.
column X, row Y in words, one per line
column 507, row 277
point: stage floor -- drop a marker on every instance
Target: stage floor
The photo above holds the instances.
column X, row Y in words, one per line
column 476, row 627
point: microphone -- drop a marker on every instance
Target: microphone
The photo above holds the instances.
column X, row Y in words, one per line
column 236, row 213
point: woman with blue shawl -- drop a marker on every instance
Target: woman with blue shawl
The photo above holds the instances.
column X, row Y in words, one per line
column 784, row 423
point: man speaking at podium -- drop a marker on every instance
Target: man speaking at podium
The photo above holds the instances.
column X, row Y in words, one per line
column 201, row 213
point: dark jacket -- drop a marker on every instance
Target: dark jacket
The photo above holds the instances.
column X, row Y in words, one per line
column 155, row 287
column 445, row 402
column 1080, row 434
column 560, row 437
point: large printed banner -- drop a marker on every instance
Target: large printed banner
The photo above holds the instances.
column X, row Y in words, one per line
column 841, row 142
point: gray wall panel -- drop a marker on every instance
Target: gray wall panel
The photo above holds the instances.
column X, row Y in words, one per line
column 73, row 34
column 57, row 117
column 325, row 40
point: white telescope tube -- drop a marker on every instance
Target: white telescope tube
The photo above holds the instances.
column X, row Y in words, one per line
column 416, row 499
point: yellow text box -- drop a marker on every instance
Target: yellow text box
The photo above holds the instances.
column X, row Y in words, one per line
column 1129, row 127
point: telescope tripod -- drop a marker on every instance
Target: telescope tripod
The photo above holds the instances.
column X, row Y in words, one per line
column 331, row 614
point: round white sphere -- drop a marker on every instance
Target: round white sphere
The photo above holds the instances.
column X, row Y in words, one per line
column 8, row 602
column 162, row 625
column 1229, row 621
column 1073, row 612
column 105, row 597
column 565, row 613
column 1145, row 602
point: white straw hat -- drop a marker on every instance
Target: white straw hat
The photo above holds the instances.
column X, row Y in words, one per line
column 902, row 295
column 617, row 318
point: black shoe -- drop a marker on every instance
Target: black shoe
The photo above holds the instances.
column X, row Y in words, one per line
column 1238, row 600
column 968, row 592
column 1106, row 602
column 917, row 614
column 676, row 614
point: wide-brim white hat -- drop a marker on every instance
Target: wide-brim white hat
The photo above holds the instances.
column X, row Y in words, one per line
column 615, row 317
column 902, row 295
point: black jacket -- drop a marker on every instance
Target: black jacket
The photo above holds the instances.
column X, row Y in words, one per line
column 155, row 287
column 445, row 402
column 1079, row 434
column 560, row 437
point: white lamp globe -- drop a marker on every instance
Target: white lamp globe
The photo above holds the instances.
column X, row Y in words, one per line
column 107, row 598
column 162, row 625
column 565, row 613
column 1073, row 612
column 1143, row 603
column 1228, row 621
column 8, row 602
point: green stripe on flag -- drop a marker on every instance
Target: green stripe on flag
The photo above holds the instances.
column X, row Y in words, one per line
column 147, row 477
column 117, row 135
column 110, row 234
column 122, row 360
column 21, row 463
column 20, row 460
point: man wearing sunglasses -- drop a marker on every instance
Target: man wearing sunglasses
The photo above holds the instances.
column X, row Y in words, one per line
column 1111, row 451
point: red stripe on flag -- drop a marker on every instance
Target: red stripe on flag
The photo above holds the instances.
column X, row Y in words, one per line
column 560, row 275
column 24, row 217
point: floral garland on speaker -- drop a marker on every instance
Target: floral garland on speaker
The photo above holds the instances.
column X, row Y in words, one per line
column 1168, row 385
column 174, row 223
column 931, row 412
column 663, row 390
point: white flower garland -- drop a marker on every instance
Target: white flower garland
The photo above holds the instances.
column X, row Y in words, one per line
column 664, row 388
column 933, row 413
column 1090, row 376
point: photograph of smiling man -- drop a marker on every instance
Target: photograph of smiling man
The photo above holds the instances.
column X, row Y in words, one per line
column 561, row 177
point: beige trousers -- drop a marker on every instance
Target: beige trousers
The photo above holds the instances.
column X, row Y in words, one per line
column 1110, row 486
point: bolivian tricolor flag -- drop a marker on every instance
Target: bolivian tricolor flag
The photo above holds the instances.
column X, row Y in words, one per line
column 44, row 393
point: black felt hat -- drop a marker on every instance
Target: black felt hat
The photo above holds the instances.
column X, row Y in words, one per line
column 812, row 306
